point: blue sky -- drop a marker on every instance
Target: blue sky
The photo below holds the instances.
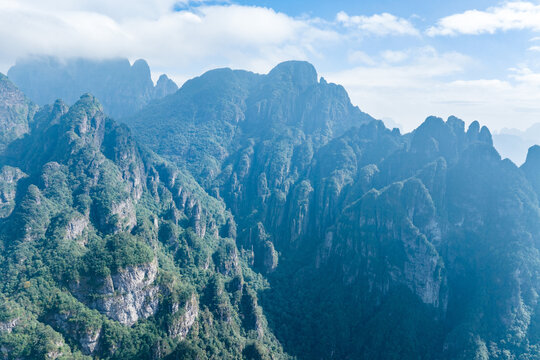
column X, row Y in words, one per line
column 400, row 61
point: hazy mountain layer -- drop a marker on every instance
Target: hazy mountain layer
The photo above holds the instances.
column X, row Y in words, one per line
column 513, row 143
column 121, row 87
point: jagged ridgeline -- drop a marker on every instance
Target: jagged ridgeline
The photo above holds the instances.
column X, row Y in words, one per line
column 269, row 218
column 107, row 251
column 121, row 87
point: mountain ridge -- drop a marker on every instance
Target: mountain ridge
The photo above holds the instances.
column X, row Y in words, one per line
column 123, row 87
column 281, row 219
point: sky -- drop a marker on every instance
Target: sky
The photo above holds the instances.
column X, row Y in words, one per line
column 400, row 61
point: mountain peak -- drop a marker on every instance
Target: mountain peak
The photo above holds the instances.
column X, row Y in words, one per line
column 140, row 66
column 533, row 155
column 165, row 86
column 88, row 99
column 457, row 125
column 301, row 73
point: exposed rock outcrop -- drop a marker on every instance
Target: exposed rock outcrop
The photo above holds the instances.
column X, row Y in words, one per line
column 183, row 318
column 9, row 177
column 75, row 227
column 85, row 336
column 9, row 325
column 125, row 296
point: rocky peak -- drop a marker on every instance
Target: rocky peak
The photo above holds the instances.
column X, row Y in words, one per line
column 437, row 137
column 165, row 86
column 474, row 128
column 531, row 167
column 140, row 68
column 456, row 124
column 433, row 137
column 300, row 74
column 86, row 119
column 485, row 136
column 533, row 157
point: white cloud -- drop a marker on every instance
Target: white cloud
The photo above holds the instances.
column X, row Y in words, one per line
column 360, row 57
column 378, row 24
column 393, row 56
column 180, row 39
column 429, row 83
column 183, row 43
column 118, row 9
column 516, row 15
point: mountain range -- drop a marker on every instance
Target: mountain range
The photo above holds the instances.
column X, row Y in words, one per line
column 250, row 216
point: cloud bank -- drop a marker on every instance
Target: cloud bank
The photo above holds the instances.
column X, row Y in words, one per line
column 518, row 15
column 172, row 34
column 379, row 24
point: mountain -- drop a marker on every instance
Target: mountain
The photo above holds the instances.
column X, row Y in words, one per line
column 122, row 88
column 108, row 251
column 375, row 244
column 259, row 216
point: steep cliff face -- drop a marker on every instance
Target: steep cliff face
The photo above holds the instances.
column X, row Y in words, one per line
column 122, row 87
column 9, row 178
column 126, row 296
column 184, row 318
column 387, row 237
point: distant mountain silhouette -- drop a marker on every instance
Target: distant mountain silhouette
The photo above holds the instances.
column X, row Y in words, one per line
column 122, row 88
column 513, row 143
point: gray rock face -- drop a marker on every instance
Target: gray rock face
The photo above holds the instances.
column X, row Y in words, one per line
column 164, row 87
column 125, row 212
column 120, row 216
column 124, row 297
column 89, row 342
column 422, row 272
column 87, row 338
column 8, row 326
column 75, row 227
column 181, row 325
column 391, row 230
column 9, row 177
column 130, row 294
